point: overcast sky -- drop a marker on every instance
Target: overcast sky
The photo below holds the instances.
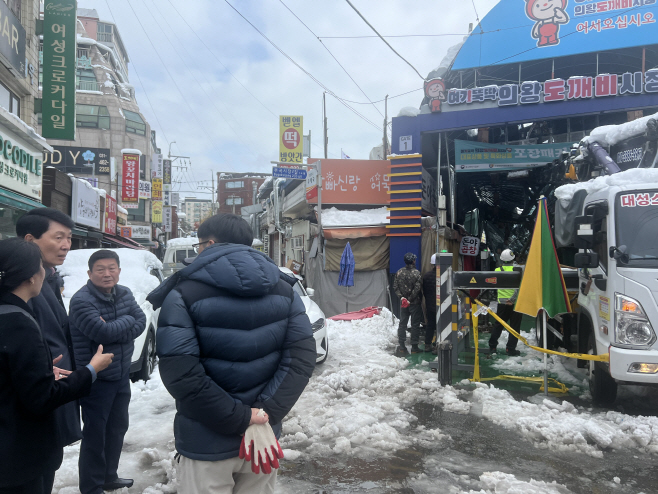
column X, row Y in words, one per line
column 209, row 81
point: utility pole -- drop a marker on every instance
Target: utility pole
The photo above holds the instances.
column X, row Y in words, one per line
column 385, row 127
column 324, row 111
column 214, row 192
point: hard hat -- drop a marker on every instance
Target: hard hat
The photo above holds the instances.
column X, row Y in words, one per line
column 507, row 256
column 433, row 260
column 409, row 258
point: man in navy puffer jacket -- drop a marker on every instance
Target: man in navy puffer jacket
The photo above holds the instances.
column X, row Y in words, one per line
column 104, row 312
column 233, row 337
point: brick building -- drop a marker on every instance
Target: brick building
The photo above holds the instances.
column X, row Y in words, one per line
column 236, row 190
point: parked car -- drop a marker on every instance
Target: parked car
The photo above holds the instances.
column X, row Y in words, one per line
column 315, row 314
column 141, row 271
column 177, row 250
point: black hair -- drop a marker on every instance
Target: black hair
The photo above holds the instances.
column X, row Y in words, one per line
column 19, row 261
column 37, row 221
column 226, row 228
column 102, row 254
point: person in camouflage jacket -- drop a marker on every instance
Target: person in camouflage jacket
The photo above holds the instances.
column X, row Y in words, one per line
column 408, row 286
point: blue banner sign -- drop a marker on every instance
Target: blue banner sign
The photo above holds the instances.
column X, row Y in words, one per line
column 294, row 173
column 473, row 156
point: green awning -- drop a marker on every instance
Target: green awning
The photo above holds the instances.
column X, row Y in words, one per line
column 77, row 232
column 96, row 235
column 144, row 241
column 11, row 199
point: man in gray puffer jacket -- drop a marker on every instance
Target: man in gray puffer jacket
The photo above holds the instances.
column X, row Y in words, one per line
column 106, row 313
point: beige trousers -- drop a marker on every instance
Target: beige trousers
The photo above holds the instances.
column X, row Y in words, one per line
column 232, row 476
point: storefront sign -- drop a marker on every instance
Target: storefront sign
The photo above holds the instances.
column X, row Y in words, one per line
column 79, row 160
column 354, row 181
column 157, row 166
column 156, row 212
column 85, row 204
column 59, row 69
column 312, row 183
column 166, row 194
column 20, row 169
column 533, row 92
column 110, row 215
column 166, row 171
column 139, row 231
column 131, row 205
column 126, row 232
column 469, row 246
column 12, row 41
column 144, row 189
column 473, row 156
column 291, row 129
column 167, row 219
column 130, row 184
column 156, row 189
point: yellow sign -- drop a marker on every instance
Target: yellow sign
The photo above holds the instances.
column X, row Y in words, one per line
column 473, row 280
column 156, row 189
column 291, row 146
column 604, row 308
column 156, row 211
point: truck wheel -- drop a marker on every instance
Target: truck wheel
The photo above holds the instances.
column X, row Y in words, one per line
column 149, row 358
column 602, row 387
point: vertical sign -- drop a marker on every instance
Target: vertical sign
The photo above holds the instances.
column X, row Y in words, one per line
column 144, row 189
column 291, row 144
column 130, row 185
column 167, row 219
column 156, row 165
column 156, row 189
column 166, row 182
column 59, row 69
column 110, row 215
column 312, row 183
column 156, row 212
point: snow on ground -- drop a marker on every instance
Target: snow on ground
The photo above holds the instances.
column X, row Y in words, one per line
column 333, row 217
column 359, row 405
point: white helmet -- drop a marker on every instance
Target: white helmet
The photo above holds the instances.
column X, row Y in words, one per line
column 507, row 256
column 433, row 260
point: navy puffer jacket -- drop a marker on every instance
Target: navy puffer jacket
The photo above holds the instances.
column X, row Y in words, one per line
column 232, row 335
column 123, row 321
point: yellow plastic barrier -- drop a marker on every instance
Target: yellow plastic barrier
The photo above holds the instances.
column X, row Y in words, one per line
column 582, row 356
column 476, row 366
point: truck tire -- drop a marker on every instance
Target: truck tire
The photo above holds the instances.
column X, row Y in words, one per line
column 602, row 387
column 148, row 358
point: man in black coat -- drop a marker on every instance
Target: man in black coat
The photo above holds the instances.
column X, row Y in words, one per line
column 429, row 291
column 51, row 229
column 105, row 313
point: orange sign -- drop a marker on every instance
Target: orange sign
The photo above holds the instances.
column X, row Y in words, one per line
column 354, row 182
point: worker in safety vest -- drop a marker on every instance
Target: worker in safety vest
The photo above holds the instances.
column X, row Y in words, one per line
column 506, row 300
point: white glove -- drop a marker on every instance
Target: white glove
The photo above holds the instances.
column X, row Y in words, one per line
column 260, row 446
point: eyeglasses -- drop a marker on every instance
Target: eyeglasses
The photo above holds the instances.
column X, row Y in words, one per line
column 196, row 246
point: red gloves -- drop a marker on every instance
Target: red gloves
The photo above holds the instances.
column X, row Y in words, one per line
column 260, row 446
column 404, row 303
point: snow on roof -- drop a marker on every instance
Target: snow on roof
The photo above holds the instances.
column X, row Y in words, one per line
column 256, row 243
column 131, row 151
column 121, row 209
column 333, row 217
column 635, row 176
column 182, row 242
column 265, row 184
column 609, row 135
column 408, row 111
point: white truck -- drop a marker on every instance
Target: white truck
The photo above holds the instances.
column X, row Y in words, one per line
column 613, row 221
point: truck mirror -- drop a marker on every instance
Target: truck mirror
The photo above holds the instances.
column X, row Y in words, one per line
column 586, row 260
column 585, row 232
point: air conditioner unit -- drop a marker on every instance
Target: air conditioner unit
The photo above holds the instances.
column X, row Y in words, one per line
column 288, row 231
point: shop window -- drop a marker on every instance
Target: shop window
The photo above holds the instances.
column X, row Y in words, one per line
column 9, row 101
column 92, row 116
column 234, row 201
column 139, row 213
column 134, row 123
column 235, row 185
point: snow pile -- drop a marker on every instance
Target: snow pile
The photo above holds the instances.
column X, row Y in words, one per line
column 408, row 111
column 333, row 217
column 121, row 209
column 265, row 184
column 633, row 177
column 182, row 242
column 609, row 135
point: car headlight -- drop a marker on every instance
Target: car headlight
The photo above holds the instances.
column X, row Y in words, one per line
column 632, row 325
column 317, row 325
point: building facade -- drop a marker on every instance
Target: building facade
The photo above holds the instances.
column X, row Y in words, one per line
column 237, row 190
column 196, row 210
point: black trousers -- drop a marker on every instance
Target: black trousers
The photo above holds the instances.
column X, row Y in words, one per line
column 105, row 417
column 41, row 485
column 431, row 328
column 507, row 314
column 415, row 311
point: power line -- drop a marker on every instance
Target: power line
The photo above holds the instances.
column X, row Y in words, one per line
column 383, row 99
column 382, row 38
column 332, row 56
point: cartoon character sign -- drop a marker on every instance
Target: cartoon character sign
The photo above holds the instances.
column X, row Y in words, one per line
column 548, row 14
column 435, row 90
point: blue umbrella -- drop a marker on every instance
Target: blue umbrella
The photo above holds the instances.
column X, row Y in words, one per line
column 346, row 276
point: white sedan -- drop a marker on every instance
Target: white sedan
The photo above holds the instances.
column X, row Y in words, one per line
column 315, row 314
column 141, row 271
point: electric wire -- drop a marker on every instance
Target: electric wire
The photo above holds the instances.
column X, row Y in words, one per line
column 382, row 38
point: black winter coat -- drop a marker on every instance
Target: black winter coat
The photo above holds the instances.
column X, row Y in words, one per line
column 30, row 442
column 123, row 321
column 232, row 335
column 429, row 290
column 54, row 322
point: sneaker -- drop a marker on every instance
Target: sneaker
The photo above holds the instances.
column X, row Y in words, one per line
column 415, row 349
column 401, row 351
column 512, row 352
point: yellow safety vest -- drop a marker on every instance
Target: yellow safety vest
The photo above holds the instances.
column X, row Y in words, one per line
column 509, row 293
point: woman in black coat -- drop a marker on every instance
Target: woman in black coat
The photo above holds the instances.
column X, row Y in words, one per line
column 30, row 390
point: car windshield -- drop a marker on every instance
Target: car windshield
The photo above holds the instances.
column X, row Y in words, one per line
column 637, row 228
column 299, row 289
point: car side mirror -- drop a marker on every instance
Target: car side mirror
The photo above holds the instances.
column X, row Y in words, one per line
column 310, row 292
column 586, row 260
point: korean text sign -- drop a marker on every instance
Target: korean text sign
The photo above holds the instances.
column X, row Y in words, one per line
column 471, row 156
column 156, row 189
column 130, row 185
column 110, row 215
column 470, row 246
column 291, row 129
column 354, row 182
column 59, row 69
column 167, row 219
column 157, row 166
column 156, row 212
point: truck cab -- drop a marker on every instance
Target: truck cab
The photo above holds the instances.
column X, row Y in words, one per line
column 618, row 278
